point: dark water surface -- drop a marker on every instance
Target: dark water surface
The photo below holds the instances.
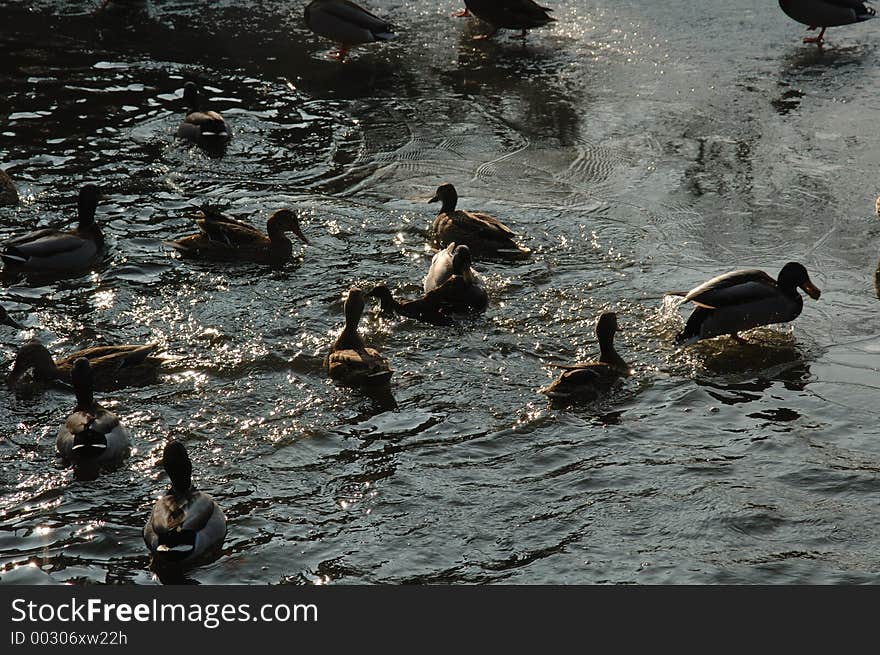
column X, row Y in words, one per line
column 638, row 147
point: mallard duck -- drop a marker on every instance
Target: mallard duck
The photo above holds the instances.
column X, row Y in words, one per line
column 421, row 309
column 825, row 14
column 8, row 194
column 222, row 237
column 452, row 282
column 350, row 361
column 186, row 525
column 51, row 250
column 6, row 319
column 742, row 300
column 586, row 382
column 346, row 23
column 113, row 365
column 509, row 14
column 207, row 129
column 91, row 434
column 482, row 233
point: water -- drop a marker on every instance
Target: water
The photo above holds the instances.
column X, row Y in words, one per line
column 637, row 148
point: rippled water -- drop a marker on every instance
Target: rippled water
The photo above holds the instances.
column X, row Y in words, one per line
column 636, row 146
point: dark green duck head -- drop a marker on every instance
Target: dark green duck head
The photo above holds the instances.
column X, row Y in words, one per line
column 178, row 466
column 795, row 275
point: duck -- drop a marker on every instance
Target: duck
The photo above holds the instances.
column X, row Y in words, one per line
column 186, row 526
column 509, row 14
column 745, row 299
column 453, row 283
column 350, row 361
column 114, row 365
column 205, row 128
column 826, row 13
column 6, row 319
column 91, row 434
column 225, row 238
column 588, row 381
column 8, row 194
column 53, row 251
column 420, row 309
column 482, row 233
column 346, row 23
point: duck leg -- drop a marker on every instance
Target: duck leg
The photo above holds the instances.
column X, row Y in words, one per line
column 463, row 13
column 818, row 40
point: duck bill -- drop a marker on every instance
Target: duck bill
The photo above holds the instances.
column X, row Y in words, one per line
column 434, row 199
column 301, row 236
column 811, row 289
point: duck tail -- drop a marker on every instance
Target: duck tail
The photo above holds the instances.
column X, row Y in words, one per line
column 693, row 328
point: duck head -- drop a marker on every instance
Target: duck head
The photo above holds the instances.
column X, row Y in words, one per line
column 354, row 307
column 286, row 220
column 383, row 294
column 606, row 326
column 33, row 355
column 447, row 195
column 87, row 203
column 461, row 260
column 178, row 466
column 83, row 382
column 191, row 95
column 794, row 275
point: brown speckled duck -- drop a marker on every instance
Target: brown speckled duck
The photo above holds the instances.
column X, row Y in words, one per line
column 227, row 239
column 350, row 361
column 485, row 235
column 8, row 194
column 54, row 251
column 420, row 309
column 826, row 13
column 586, row 382
column 745, row 299
column 205, row 128
column 509, row 14
column 346, row 23
column 113, row 366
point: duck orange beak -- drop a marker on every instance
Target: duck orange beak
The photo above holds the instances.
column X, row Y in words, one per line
column 811, row 289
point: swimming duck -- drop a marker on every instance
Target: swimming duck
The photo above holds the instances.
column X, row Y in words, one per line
column 482, row 233
column 421, row 309
column 51, row 250
column 453, row 283
column 825, row 14
column 8, row 194
column 350, row 361
column 114, row 365
column 509, row 14
column 207, row 129
column 346, row 23
column 186, row 525
column 6, row 319
column 91, row 434
column 741, row 300
column 586, row 382
column 222, row 237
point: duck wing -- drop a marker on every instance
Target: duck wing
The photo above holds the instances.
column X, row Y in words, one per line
column 734, row 288
column 120, row 354
column 440, row 269
column 50, row 247
column 225, row 229
column 364, row 367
